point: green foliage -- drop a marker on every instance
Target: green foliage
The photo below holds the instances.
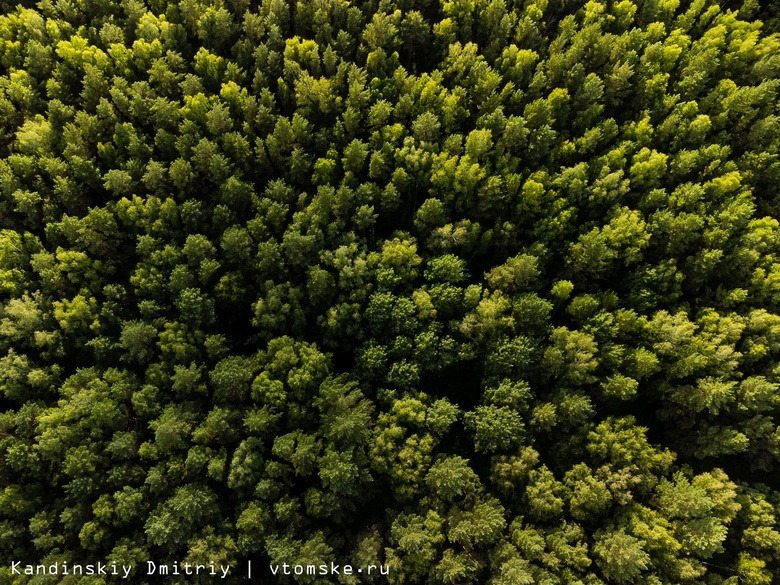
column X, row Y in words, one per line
column 620, row 556
column 480, row 292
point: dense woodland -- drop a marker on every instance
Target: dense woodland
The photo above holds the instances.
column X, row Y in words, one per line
column 485, row 290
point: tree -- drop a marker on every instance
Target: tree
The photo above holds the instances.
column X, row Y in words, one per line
column 620, row 556
column 479, row 292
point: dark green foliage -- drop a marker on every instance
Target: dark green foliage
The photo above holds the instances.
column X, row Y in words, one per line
column 479, row 291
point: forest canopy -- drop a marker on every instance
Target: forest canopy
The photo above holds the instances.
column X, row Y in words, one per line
column 483, row 291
